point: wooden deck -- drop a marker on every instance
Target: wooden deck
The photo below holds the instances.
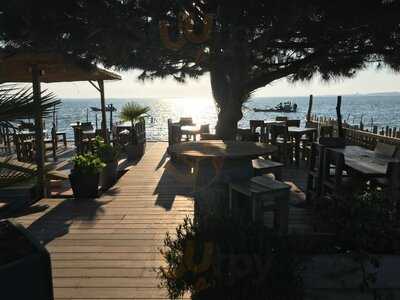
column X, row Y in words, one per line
column 108, row 248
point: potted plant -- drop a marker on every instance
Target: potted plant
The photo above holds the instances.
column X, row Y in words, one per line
column 133, row 112
column 85, row 175
column 108, row 154
column 25, row 268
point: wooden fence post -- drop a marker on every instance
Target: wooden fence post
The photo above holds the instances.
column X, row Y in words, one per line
column 339, row 116
column 310, row 104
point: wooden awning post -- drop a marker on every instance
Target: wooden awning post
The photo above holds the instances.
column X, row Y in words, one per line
column 103, row 112
column 339, row 116
column 39, row 143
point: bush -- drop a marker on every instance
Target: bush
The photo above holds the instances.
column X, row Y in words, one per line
column 87, row 164
column 105, row 152
column 230, row 262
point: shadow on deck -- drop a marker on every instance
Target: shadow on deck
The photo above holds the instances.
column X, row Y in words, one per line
column 109, row 247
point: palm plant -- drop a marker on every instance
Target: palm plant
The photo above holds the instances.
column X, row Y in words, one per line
column 18, row 104
column 132, row 112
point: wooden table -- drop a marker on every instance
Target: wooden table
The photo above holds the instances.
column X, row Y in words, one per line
column 296, row 133
column 219, row 163
column 365, row 162
column 222, row 149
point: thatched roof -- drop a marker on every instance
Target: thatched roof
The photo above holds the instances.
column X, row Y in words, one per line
column 16, row 67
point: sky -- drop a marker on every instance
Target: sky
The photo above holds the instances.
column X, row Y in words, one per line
column 367, row 81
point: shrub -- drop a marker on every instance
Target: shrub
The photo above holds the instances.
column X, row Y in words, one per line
column 105, row 152
column 231, row 261
column 87, row 164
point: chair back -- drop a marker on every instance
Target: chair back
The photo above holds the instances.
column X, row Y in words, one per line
column 86, row 126
column 293, row 123
column 333, row 160
column 316, row 158
column 281, row 118
column 209, row 137
column 186, row 121
column 246, row 135
column 385, row 149
column 332, row 142
column 326, row 131
column 254, row 124
column 205, row 128
column 279, row 131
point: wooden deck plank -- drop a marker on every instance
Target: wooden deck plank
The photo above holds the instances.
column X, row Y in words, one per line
column 109, row 248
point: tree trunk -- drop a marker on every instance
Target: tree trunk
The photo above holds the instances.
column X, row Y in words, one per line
column 228, row 73
column 228, row 117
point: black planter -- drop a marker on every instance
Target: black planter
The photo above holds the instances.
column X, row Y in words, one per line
column 26, row 275
column 109, row 175
column 84, row 185
column 134, row 152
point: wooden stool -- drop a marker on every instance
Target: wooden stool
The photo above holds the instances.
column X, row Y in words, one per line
column 265, row 166
column 260, row 189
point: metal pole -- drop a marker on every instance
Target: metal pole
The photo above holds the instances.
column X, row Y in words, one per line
column 39, row 158
column 103, row 112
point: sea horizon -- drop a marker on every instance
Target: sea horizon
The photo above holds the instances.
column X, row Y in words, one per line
column 374, row 110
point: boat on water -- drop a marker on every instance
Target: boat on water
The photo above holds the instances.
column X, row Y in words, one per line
column 286, row 107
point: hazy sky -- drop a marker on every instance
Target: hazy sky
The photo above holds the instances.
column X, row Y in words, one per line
column 368, row 81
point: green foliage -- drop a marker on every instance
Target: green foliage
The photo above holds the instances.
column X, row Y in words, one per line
column 230, row 261
column 366, row 222
column 16, row 103
column 87, row 164
column 106, row 152
column 365, row 226
column 133, row 112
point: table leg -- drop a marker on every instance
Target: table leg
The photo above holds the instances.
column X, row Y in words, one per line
column 212, row 182
column 297, row 150
column 283, row 207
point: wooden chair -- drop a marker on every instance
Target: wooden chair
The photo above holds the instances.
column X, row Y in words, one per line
column 334, row 180
column 254, row 125
column 264, row 194
column 51, row 143
column 174, row 133
column 209, row 137
column 391, row 186
column 24, row 147
column 186, row 121
column 281, row 118
column 293, row 123
column 326, row 131
column 280, row 138
column 385, row 149
column 205, row 128
column 246, row 135
column 314, row 176
column 265, row 166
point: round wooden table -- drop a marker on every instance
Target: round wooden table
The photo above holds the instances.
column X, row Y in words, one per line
column 232, row 150
column 216, row 164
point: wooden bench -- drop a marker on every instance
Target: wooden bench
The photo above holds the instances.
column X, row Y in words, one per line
column 264, row 194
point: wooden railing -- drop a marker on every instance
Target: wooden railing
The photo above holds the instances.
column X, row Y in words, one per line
column 358, row 134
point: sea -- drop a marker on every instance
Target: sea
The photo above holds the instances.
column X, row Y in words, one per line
column 370, row 109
